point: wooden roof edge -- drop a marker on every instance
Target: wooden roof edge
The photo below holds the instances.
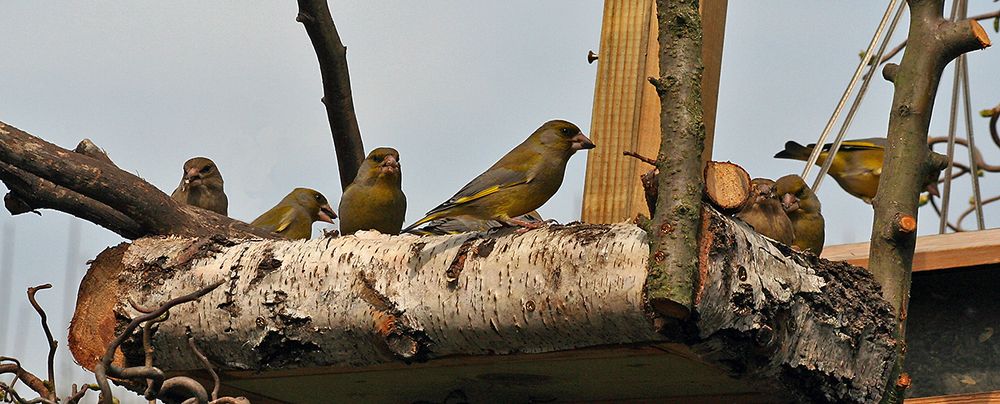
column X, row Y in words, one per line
column 933, row 252
column 983, row 397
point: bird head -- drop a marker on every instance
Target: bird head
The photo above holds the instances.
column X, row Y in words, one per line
column 314, row 202
column 563, row 136
column 201, row 172
column 760, row 189
column 385, row 161
column 795, row 194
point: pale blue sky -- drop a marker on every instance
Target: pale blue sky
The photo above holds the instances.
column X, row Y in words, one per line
column 451, row 85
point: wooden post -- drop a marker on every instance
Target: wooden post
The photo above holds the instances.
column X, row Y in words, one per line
column 627, row 110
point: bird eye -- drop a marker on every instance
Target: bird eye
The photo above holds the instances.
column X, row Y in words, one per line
column 319, row 197
column 565, row 131
column 206, row 169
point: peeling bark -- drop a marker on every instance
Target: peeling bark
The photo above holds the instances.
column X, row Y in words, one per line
column 355, row 302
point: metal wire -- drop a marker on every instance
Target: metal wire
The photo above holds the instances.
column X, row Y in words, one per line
column 977, row 198
column 850, row 88
column 952, row 121
column 857, row 101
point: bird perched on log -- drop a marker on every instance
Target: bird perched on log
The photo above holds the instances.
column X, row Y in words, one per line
column 294, row 215
column 523, row 179
column 856, row 167
column 763, row 211
column 374, row 200
column 201, row 186
column 803, row 208
column 458, row 225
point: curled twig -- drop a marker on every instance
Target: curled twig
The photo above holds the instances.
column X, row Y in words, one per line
column 204, row 361
column 51, row 382
column 147, row 344
column 104, row 369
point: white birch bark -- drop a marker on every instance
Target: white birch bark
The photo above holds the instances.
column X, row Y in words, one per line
column 322, row 302
column 796, row 326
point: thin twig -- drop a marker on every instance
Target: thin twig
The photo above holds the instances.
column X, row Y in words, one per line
column 48, row 335
column 204, row 361
column 147, row 344
column 78, row 394
column 102, row 369
column 641, row 158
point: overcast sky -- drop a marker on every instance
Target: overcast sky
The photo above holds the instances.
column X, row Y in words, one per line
column 451, row 85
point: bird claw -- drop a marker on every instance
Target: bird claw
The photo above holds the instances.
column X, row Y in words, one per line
column 525, row 225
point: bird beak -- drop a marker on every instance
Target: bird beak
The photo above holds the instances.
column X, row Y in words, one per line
column 192, row 174
column 790, row 203
column 932, row 189
column 390, row 163
column 326, row 213
column 581, row 141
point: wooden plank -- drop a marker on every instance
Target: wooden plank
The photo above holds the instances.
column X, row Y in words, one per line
column 976, row 398
column 939, row 251
column 626, row 114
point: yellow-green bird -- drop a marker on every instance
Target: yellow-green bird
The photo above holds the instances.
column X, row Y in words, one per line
column 458, row 225
column 763, row 212
column 856, row 167
column 374, row 200
column 803, row 208
column 522, row 181
column 294, row 215
column 202, row 186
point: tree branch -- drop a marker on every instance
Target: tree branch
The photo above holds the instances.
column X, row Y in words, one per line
column 675, row 222
column 51, row 382
column 332, row 55
column 87, row 185
column 933, row 43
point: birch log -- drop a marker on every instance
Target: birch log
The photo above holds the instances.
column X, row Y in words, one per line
column 797, row 326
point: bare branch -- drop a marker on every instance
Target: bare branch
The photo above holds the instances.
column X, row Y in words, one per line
column 204, row 361
column 673, row 262
column 332, row 54
column 48, row 335
column 41, row 174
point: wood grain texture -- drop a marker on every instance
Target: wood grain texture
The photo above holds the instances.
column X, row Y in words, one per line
column 933, row 252
column 626, row 114
column 978, row 398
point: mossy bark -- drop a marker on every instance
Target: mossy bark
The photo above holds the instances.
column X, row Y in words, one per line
column 933, row 43
column 675, row 223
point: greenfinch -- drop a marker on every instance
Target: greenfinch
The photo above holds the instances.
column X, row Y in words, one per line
column 458, row 225
column 374, row 200
column 856, row 167
column 294, row 215
column 522, row 181
column 802, row 207
column 763, row 211
column 201, row 186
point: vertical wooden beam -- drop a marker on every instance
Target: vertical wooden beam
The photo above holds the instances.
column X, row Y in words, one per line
column 626, row 113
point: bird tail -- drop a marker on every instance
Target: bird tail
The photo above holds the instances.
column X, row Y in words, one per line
column 422, row 221
column 794, row 151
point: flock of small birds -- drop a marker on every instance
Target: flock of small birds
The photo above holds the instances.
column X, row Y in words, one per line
column 509, row 192
column 506, row 194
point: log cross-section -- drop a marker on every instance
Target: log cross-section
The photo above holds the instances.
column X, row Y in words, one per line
column 792, row 325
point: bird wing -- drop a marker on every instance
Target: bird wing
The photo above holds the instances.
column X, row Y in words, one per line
column 277, row 219
column 286, row 216
column 487, row 183
column 858, row 144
